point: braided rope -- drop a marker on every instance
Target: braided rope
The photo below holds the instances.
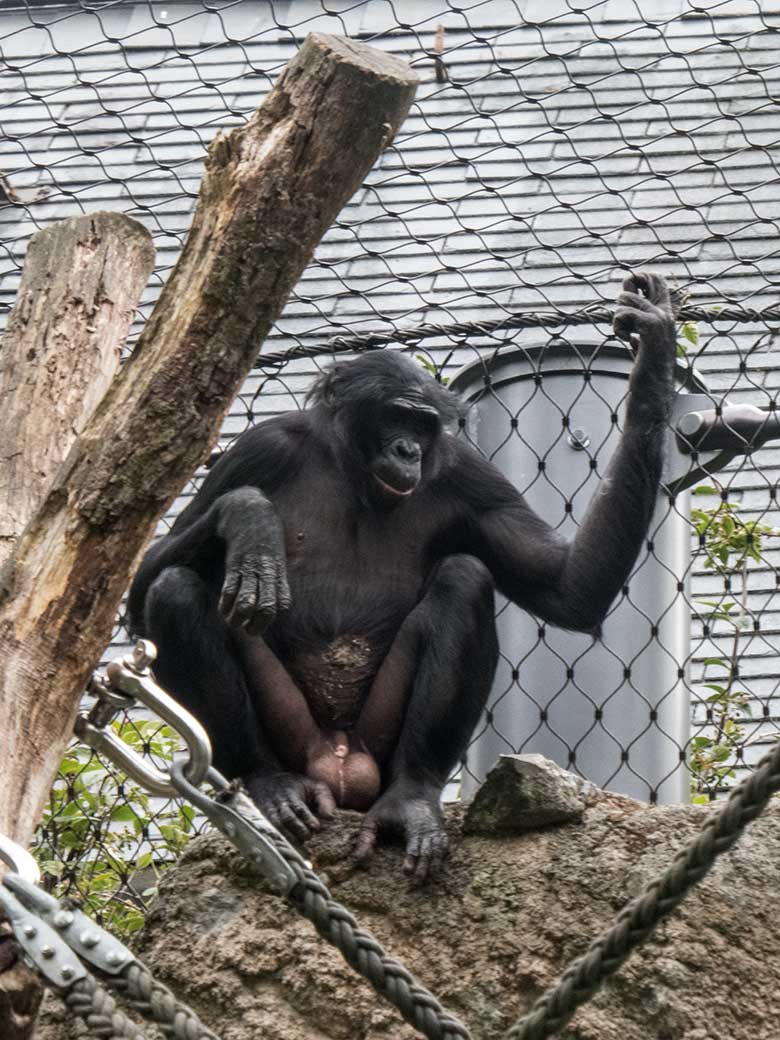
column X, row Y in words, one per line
column 312, row 898
column 658, row 898
column 155, row 1001
column 98, row 1010
column 594, row 315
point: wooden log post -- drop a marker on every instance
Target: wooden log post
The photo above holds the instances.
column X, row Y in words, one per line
column 81, row 283
column 270, row 191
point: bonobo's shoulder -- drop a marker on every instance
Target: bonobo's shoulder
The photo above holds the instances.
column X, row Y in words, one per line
column 278, row 439
column 286, row 428
column 261, row 456
column 461, row 456
column 471, row 476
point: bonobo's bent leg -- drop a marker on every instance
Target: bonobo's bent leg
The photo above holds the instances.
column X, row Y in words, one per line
column 432, row 689
column 197, row 665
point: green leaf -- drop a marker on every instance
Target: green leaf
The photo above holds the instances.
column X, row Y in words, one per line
column 691, row 332
column 122, row 813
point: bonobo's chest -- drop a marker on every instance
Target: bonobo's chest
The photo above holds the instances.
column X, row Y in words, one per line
column 352, row 568
column 348, row 541
column 355, row 574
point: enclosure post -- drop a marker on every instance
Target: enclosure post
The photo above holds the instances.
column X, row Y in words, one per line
column 81, row 283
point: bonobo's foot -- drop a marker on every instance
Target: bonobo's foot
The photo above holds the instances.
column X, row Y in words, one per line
column 339, row 760
column 287, row 800
column 645, row 309
column 411, row 811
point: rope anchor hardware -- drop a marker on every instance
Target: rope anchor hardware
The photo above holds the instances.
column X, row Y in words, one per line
column 43, row 948
column 58, row 940
column 124, row 683
column 239, row 819
column 19, row 860
column 231, row 812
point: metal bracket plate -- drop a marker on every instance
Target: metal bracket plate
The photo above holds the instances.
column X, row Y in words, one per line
column 91, row 942
column 50, row 955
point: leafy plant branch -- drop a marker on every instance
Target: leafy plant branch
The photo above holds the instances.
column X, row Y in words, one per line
column 104, row 841
column 729, row 544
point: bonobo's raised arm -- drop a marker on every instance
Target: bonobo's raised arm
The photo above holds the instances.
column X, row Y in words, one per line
column 238, row 515
column 573, row 584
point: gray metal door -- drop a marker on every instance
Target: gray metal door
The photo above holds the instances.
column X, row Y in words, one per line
column 616, row 710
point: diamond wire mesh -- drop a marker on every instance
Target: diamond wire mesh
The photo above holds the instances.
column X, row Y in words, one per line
column 551, row 147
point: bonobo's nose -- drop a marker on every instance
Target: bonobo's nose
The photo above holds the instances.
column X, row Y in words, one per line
column 407, row 451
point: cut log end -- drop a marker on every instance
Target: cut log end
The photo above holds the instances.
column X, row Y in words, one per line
column 364, row 57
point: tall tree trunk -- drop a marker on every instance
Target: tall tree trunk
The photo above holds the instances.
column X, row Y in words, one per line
column 270, row 191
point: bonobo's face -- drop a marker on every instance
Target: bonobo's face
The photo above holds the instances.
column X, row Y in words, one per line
column 406, row 428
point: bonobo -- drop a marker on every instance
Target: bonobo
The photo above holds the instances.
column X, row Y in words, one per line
column 325, row 604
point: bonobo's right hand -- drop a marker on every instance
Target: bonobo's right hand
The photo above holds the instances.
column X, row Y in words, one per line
column 645, row 309
column 255, row 588
column 287, row 800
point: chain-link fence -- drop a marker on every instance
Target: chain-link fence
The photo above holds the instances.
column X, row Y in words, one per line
column 552, row 147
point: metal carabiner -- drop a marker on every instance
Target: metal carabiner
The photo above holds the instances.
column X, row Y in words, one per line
column 241, row 821
column 132, row 677
column 19, row 860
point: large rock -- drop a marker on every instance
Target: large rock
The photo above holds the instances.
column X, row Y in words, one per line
column 488, row 939
column 523, row 793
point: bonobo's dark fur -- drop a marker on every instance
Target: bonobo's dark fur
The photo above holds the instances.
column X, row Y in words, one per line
column 325, row 604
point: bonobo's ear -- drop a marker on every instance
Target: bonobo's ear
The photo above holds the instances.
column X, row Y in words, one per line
column 323, row 390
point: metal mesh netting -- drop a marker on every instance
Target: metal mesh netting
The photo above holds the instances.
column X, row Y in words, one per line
column 552, row 147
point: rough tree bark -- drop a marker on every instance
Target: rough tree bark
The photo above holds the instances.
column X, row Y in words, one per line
column 270, row 190
column 81, row 283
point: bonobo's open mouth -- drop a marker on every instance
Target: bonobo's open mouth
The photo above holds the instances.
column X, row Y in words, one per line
column 394, row 491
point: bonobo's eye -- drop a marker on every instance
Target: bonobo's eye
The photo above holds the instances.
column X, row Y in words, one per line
column 413, row 416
